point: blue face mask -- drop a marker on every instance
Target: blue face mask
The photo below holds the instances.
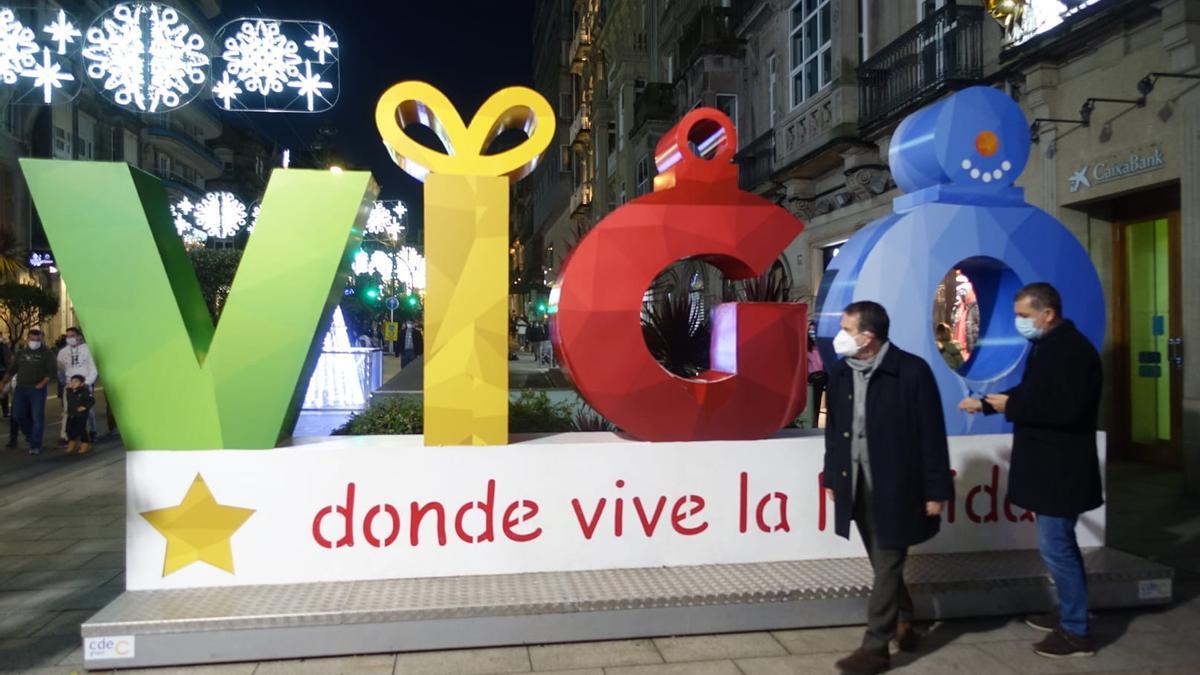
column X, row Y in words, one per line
column 1028, row 329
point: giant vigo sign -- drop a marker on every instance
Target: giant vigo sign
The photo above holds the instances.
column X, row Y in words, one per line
column 205, row 405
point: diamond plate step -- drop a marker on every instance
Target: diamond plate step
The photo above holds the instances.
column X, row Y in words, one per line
column 306, row 620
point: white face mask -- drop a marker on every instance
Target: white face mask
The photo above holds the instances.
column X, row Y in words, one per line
column 73, row 341
column 35, row 344
column 844, row 345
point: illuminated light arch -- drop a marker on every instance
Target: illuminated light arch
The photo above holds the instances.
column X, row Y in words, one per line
column 131, row 40
column 269, row 65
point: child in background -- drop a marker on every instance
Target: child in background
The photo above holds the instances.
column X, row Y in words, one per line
column 79, row 405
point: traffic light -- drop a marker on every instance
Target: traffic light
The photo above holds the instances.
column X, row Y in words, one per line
column 372, row 294
column 541, row 308
column 412, row 301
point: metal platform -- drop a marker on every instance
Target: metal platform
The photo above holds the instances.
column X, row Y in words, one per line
column 254, row 623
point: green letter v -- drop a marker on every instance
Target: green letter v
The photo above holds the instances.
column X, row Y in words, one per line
column 175, row 381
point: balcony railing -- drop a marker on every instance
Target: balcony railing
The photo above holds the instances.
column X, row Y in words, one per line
column 710, row 32
column 581, row 198
column 581, row 49
column 654, row 103
column 756, row 162
column 942, row 53
column 581, row 126
column 182, row 138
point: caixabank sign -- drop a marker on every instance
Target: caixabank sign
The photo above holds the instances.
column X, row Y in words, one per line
column 213, row 501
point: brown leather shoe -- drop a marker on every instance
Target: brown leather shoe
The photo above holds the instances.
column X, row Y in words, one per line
column 1062, row 645
column 906, row 637
column 865, row 662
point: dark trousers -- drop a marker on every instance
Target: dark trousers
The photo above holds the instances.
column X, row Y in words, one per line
column 77, row 428
column 890, row 601
column 29, row 409
column 407, row 357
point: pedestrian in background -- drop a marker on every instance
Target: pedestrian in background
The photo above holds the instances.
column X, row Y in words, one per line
column 818, row 379
column 61, row 382
column 14, row 427
column 1055, row 469
column 522, row 332
column 5, row 359
column 951, row 353
column 77, row 412
column 411, row 342
column 75, row 358
column 34, row 368
column 887, row 468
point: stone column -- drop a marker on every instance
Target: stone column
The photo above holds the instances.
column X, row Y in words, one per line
column 1181, row 38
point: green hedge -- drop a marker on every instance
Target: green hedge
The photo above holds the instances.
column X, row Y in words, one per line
column 531, row 413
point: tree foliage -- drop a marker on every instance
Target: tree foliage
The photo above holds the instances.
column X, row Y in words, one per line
column 25, row 306
column 215, row 269
column 12, row 254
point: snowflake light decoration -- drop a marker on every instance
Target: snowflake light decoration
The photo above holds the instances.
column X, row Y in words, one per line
column 309, row 85
column 41, row 73
column 220, row 215
column 264, row 68
column 322, row 43
column 386, row 220
column 406, row 266
column 48, row 76
column 226, row 90
column 136, row 39
column 62, row 31
column 18, row 46
column 261, row 57
column 410, row 263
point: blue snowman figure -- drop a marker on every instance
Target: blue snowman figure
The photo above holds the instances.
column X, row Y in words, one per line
column 957, row 161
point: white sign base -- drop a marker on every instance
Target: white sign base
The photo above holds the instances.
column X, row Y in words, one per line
column 379, row 507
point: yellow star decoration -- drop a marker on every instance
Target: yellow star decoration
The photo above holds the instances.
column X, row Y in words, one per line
column 198, row 530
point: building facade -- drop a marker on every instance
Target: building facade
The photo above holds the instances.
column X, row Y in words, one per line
column 817, row 87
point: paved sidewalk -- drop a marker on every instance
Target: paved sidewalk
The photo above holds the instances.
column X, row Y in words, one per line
column 61, row 542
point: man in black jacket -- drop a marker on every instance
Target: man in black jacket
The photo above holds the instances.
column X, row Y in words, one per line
column 1055, row 465
column 887, row 467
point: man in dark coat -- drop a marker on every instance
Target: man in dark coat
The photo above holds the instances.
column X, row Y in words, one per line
column 887, row 467
column 1055, row 464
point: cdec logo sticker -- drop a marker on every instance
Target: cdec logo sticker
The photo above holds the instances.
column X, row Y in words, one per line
column 101, row 648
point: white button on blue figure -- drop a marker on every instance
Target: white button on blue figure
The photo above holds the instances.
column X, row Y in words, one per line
column 957, row 160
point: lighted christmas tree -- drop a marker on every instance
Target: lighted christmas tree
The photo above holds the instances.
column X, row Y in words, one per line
column 337, row 382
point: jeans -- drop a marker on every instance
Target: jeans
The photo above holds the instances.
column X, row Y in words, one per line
column 1060, row 551
column 890, row 601
column 407, row 357
column 29, row 409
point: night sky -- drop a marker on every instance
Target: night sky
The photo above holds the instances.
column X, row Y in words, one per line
column 467, row 48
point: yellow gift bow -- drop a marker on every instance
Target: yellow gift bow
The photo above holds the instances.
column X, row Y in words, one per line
column 466, row 247
column 421, row 103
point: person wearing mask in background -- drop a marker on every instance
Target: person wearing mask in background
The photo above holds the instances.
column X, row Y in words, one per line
column 948, row 347
column 887, row 468
column 34, row 368
column 1055, row 469
column 75, row 358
